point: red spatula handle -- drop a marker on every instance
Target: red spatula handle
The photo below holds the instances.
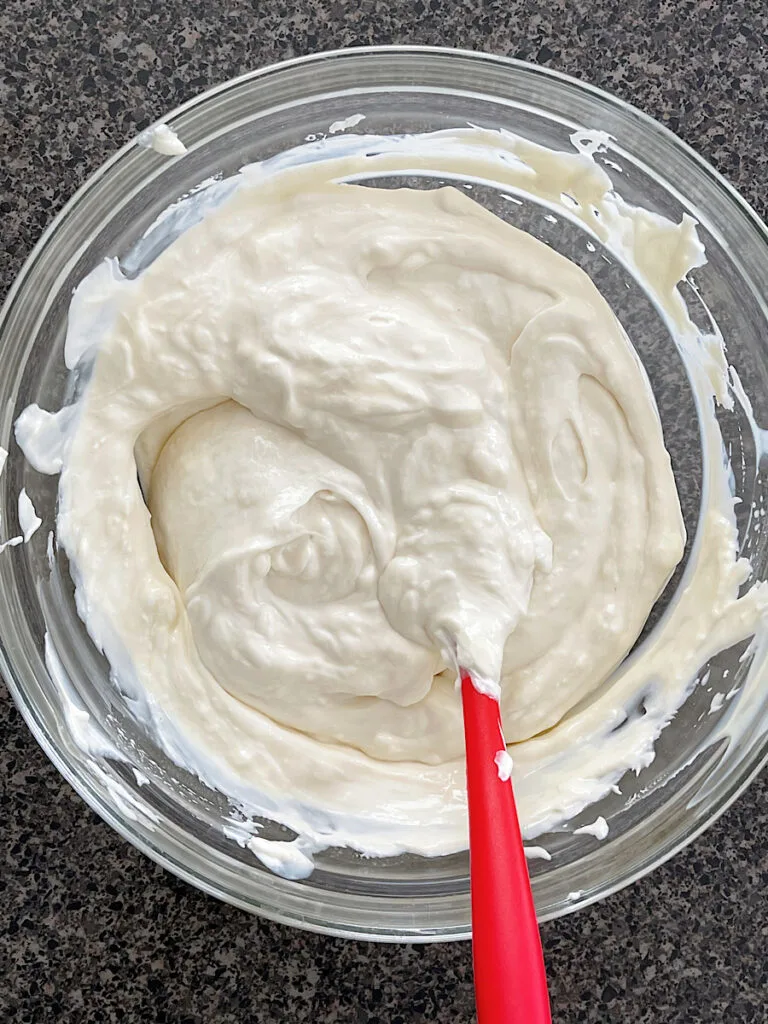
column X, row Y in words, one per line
column 510, row 983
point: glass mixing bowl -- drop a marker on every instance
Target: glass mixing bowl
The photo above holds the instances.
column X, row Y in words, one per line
column 703, row 759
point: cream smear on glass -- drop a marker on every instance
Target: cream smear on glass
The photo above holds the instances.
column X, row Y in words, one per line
column 335, row 438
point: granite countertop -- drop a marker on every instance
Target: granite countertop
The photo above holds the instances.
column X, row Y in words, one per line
column 92, row 931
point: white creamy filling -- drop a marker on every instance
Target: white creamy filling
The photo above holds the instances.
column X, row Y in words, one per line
column 163, row 139
column 335, row 437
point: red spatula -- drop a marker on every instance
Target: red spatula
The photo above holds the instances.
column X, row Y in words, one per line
column 510, row 982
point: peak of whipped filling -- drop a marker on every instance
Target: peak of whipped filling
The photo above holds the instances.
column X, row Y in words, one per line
column 369, row 424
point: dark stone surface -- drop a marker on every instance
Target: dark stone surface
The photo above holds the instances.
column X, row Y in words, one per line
column 92, row 931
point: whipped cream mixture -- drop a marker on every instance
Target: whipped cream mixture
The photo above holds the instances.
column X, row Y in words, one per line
column 336, row 440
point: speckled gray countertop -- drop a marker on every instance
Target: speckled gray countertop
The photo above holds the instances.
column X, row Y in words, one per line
column 92, row 931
